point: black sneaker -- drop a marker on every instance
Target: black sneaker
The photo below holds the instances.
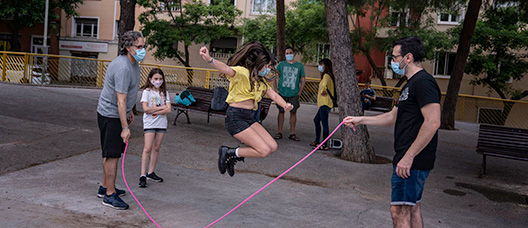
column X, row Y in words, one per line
column 231, row 164
column 154, row 177
column 115, row 202
column 143, row 182
column 102, row 192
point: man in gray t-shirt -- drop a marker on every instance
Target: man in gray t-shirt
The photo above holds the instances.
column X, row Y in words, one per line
column 117, row 98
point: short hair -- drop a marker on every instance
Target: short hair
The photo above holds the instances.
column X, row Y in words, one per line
column 128, row 39
column 289, row 47
column 413, row 45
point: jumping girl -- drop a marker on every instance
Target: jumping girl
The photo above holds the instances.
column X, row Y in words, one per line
column 156, row 106
column 246, row 71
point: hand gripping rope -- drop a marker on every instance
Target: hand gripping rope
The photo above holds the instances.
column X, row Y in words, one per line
column 251, row 196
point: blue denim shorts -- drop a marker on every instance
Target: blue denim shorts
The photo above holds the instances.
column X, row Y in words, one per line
column 408, row 191
column 238, row 119
column 154, row 130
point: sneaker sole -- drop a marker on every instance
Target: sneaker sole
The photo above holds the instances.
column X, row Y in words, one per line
column 114, row 207
column 148, row 178
column 102, row 195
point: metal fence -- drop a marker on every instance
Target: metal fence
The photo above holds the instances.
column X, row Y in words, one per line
column 477, row 109
column 42, row 69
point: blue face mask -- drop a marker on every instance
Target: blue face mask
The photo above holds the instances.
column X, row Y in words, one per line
column 265, row 72
column 140, row 55
column 289, row 57
column 320, row 68
column 396, row 67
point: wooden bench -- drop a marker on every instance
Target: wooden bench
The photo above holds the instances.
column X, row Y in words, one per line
column 203, row 97
column 500, row 141
column 382, row 104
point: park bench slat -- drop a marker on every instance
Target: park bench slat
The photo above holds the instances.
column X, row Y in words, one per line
column 501, row 141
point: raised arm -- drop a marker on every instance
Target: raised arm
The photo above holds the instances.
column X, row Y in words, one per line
column 220, row 66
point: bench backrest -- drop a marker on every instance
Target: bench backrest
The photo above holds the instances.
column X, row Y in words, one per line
column 383, row 104
column 503, row 141
column 202, row 96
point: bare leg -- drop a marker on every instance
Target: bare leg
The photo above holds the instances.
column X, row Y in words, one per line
column 104, row 174
column 110, row 172
column 401, row 216
column 155, row 152
column 293, row 120
column 259, row 143
column 149, row 140
column 416, row 216
column 280, row 121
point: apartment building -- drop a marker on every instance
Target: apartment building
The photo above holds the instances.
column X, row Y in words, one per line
column 93, row 34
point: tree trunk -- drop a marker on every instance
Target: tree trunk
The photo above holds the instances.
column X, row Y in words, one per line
column 377, row 72
column 466, row 35
column 281, row 30
column 356, row 145
column 127, row 20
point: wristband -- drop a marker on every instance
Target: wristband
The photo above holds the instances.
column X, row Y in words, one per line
column 125, row 128
column 212, row 61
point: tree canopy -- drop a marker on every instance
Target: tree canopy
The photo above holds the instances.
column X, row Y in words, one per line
column 498, row 57
column 17, row 15
column 305, row 28
column 197, row 23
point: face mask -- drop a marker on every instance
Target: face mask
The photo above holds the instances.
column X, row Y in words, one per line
column 396, row 67
column 289, row 57
column 265, row 72
column 321, row 68
column 157, row 84
column 140, row 55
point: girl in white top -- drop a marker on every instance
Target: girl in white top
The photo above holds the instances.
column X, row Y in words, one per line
column 156, row 105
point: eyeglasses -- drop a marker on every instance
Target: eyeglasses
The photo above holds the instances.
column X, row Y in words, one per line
column 139, row 46
column 395, row 56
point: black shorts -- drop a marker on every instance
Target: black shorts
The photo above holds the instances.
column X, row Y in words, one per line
column 238, row 120
column 292, row 100
column 111, row 142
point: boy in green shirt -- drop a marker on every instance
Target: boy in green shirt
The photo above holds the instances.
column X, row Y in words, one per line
column 290, row 85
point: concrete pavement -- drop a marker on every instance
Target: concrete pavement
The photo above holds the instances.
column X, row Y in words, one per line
column 51, row 169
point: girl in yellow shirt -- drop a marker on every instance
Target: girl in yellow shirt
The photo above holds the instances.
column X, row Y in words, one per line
column 246, row 71
column 324, row 102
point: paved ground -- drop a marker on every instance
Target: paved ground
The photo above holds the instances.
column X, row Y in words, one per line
column 50, row 169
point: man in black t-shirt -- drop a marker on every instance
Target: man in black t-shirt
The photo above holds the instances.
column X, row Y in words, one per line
column 416, row 117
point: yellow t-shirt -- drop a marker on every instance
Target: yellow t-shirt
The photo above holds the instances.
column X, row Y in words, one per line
column 325, row 83
column 240, row 89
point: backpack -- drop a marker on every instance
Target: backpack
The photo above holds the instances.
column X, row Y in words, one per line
column 334, row 98
column 218, row 102
column 185, row 98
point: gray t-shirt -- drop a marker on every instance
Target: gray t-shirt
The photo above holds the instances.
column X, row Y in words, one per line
column 121, row 76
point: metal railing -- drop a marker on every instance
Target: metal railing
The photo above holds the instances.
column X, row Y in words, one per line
column 42, row 69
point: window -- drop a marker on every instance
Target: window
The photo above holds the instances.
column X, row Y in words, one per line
column 216, row 2
column 323, row 51
column 398, row 17
column 450, row 18
column 444, row 62
column 262, row 6
column 223, row 48
column 86, row 27
column 171, row 5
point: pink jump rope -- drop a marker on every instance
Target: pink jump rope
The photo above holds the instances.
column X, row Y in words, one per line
column 240, row 204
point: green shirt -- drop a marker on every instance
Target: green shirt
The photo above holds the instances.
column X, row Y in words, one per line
column 290, row 78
